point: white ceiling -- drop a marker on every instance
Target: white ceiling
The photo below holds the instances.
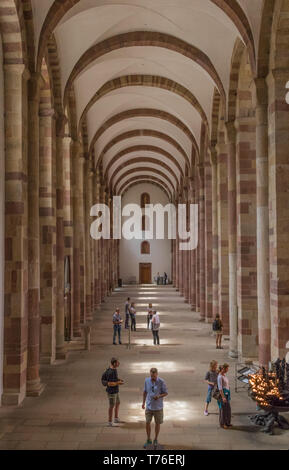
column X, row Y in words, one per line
column 198, row 22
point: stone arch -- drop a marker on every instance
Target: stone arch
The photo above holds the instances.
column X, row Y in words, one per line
column 12, row 29
column 140, row 160
column 142, row 148
column 232, row 9
column 234, row 78
column 136, row 180
column 144, row 112
column 144, row 133
column 279, row 57
column 140, row 169
column 146, row 81
column 144, row 38
column 265, row 39
column 53, row 66
column 215, row 117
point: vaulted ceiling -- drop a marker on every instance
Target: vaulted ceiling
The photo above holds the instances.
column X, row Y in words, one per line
column 144, row 74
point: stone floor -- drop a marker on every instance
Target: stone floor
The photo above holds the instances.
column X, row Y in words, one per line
column 72, row 411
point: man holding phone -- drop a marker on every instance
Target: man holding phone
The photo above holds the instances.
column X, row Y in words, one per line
column 113, row 382
column 155, row 390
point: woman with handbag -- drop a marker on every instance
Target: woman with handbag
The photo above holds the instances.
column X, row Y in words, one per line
column 224, row 398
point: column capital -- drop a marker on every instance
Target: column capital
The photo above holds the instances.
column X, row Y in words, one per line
column 17, row 69
column 261, row 91
column 61, row 121
column 231, row 132
column 213, row 155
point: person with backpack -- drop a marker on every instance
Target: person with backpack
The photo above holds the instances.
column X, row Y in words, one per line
column 117, row 321
column 111, row 381
column 156, row 323
column 218, row 331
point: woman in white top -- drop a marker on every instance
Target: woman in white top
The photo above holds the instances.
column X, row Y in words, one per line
column 156, row 328
column 225, row 398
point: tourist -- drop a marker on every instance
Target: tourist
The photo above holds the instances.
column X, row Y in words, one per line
column 133, row 317
column 155, row 390
column 211, row 379
column 156, row 324
column 165, row 278
column 225, row 398
column 158, row 278
column 126, row 309
column 218, row 331
column 149, row 316
column 117, row 321
column 111, row 381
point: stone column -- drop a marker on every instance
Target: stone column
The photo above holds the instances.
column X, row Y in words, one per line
column 77, row 232
column 223, row 249
column 88, row 187
column 232, row 232
column 215, row 243
column 246, row 239
column 47, row 213
column 208, row 239
column 82, row 238
column 263, row 265
column 16, row 255
column 68, row 236
column 202, row 286
column 96, row 243
column 60, row 344
column 34, row 387
column 177, row 247
column 192, row 253
column 278, row 210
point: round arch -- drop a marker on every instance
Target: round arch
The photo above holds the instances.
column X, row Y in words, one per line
column 152, row 81
column 140, row 169
column 144, row 112
column 142, row 148
column 140, row 160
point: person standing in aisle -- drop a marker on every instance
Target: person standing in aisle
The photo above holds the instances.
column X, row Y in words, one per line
column 149, row 316
column 133, row 317
column 126, row 309
column 155, row 390
column 156, row 324
column 117, row 321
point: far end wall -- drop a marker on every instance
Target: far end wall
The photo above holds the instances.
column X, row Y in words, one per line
column 130, row 250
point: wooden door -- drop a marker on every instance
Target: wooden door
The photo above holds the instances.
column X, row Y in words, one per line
column 145, row 273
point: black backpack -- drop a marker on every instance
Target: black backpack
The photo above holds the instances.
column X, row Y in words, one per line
column 104, row 378
column 216, row 325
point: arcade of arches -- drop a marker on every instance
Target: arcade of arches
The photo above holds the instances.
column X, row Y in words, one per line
column 97, row 97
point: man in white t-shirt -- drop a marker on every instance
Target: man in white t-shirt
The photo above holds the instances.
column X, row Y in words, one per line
column 156, row 323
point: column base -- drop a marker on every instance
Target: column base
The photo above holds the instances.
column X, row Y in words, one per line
column 61, row 353
column 35, row 389
column 233, row 354
column 47, row 359
column 77, row 333
column 13, row 399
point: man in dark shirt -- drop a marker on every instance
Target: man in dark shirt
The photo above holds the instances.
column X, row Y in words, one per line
column 112, row 390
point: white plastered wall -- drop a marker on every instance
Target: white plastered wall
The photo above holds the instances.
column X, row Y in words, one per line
column 130, row 250
column 2, row 219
